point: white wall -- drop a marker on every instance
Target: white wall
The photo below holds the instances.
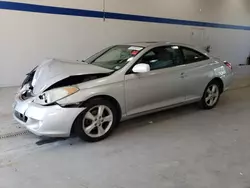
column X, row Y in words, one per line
column 27, row 38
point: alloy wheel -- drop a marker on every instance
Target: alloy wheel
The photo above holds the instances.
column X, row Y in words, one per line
column 212, row 95
column 97, row 121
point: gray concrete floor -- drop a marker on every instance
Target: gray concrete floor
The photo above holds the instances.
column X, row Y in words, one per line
column 180, row 148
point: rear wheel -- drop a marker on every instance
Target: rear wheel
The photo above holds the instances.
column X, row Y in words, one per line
column 211, row 96
column 97, row 121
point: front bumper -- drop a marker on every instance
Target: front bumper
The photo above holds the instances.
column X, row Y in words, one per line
column 51, row 121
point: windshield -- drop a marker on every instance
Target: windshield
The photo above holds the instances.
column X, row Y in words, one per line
column 117, row 57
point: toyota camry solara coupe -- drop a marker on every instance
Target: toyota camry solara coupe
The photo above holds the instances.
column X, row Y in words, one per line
column 90, row 98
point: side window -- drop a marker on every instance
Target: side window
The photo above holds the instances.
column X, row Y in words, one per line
column 192, row 56
column 162, row 57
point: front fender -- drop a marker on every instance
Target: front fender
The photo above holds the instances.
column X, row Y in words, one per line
column 114, row 90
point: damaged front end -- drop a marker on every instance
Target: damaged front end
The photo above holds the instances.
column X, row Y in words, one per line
column 64, row 88
column 57, row 91
column 56, row 79
column 26, row 87
column 73, row 80
column 38, row 104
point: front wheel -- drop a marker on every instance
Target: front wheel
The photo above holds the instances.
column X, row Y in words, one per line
column 97, row 121
column 211, row 96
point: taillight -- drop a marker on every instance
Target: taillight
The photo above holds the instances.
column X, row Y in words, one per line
column 229, row 65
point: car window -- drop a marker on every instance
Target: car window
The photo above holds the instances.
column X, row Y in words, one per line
column 117, row 57
column 114, row 54
column 192, row 56
column 162, row 57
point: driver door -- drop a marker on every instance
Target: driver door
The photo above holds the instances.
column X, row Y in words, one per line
column 160, row 87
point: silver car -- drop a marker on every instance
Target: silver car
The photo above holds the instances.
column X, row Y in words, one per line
column 90, row 98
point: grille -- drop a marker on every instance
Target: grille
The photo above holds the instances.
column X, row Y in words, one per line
column 21, row 117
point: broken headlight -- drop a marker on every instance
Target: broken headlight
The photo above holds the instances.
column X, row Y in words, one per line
column 54, row 95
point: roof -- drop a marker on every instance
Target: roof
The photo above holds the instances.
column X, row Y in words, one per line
column 162, row 43
column 148, row 43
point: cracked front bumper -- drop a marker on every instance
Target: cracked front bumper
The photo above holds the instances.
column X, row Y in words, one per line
column 51, row 121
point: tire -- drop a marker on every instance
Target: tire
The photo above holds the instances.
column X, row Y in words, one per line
column 212, row 91
column 91, row 125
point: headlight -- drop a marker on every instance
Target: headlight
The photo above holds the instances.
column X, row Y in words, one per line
column 54, row 95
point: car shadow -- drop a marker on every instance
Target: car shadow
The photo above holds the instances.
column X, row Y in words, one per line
column 130, row 125
column 157, row 117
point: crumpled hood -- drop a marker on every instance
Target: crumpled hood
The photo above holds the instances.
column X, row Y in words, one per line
column 54, row 70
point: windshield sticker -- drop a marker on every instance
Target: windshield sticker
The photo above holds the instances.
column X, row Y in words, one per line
column 136, row 48
column 134, row 52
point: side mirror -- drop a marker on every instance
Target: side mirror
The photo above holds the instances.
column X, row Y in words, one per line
column 141, row 68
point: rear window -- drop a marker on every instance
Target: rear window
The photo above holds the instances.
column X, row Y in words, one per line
column 192, row 56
